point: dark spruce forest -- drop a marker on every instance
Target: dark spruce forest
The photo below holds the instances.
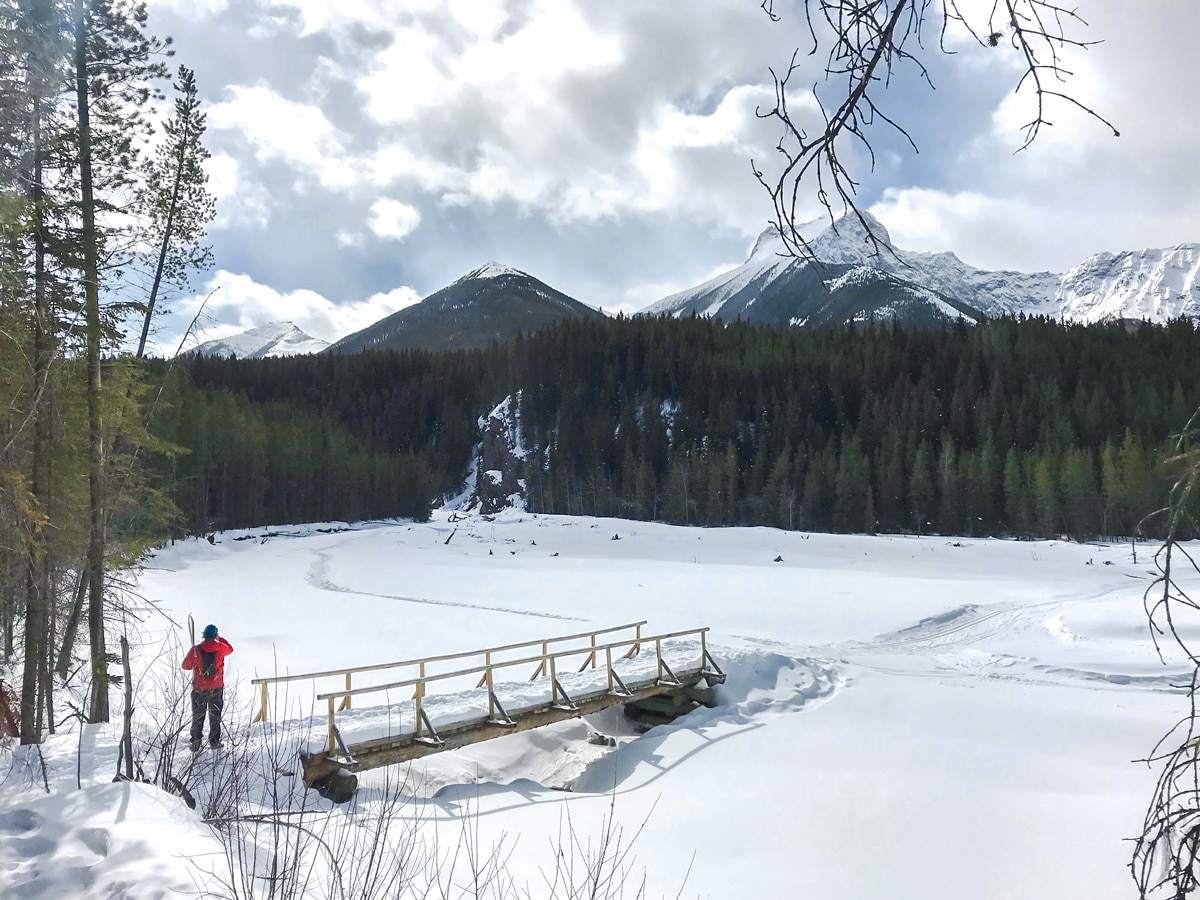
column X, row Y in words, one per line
column 1014, row 427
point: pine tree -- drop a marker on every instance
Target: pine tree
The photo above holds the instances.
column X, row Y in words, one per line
column 176, row 199
column 1080, row 494
column 922, row 498
column 1047, row 509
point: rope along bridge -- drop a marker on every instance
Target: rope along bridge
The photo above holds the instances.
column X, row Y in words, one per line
column 573, row 675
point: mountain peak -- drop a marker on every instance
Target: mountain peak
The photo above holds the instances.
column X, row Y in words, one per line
column 272, row 339
column 850, row 239
column 769, row 243
column 494, row 302
column 492, row 270
column 861, row 274
column 854, row 238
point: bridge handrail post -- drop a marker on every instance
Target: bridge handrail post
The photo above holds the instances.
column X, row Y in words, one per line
column 608, row 667
column 487, row 657
column 331, row 743
column 553, row 681
column 703, row 647
column 262, row 709
column 591, row 657
column 487, row 674
column 346, row 699
column 541, row 669
column 418, row 696
column 658, row 653
column 636, row 647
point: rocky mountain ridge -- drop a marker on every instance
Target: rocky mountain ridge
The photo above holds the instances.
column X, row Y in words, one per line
column 772, row 286
column 492, row 302
column 860, row 275
column 272, row 339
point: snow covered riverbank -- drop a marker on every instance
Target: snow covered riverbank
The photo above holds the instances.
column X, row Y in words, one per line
column 904, row 717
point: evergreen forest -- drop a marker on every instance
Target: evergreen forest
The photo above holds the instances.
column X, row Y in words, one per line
column 1022, row 427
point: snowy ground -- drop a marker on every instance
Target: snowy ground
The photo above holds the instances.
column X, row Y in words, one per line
column 903, row 718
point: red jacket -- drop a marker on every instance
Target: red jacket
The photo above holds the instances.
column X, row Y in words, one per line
column 192, row 661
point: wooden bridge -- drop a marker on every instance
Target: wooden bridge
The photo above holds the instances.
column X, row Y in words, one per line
column 613, row 648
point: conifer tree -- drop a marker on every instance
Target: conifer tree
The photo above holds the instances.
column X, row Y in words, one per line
column 176, row 200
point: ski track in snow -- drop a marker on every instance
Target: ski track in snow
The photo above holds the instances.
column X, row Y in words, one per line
column 948, row 645
column 963, row 642
column 317, row 576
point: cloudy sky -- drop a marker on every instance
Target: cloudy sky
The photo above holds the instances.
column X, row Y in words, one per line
column 368, row 152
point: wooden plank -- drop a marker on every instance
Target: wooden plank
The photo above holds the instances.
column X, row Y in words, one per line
column 278, row 679
column 402, row 748
column 458, row 673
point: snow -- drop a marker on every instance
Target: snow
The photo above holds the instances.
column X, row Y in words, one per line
column 272, row 339
column 1154, row 285
column 903, row 717
column 492, row 270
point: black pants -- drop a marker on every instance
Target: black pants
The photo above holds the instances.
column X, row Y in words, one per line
column 213, row 702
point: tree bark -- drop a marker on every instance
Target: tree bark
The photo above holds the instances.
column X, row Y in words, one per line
column 162, row 251
column 99, row 706
column 127, row 731
column 37, row 558
column 71, row 628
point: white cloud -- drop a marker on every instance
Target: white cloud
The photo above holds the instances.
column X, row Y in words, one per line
column 338, row 15
column 563, row 110
column 568, row 125
column 193, row 9
column 988, row 232
column 279, row 129
column 239, row 204
column 393, row 220
column 483, row 18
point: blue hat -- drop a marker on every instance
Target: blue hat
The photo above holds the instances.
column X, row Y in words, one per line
column 210, row 632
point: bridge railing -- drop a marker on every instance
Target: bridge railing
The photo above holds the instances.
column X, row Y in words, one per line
column 488, row 653
column 547, row 666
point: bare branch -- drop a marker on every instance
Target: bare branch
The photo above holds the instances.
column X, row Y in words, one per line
column 1165, row 855
column 868, row 43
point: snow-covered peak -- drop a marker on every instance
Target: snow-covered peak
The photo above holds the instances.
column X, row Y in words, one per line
column 272, row 339
column 768, row 244
column 852, row 241
column 1157, row 285
column 492, row 270
column 1152, row 285
column 847, row 240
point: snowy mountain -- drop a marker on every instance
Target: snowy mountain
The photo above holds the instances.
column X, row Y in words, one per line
column 272, row 339
column 493, row 302
column 1157, row 285
column 860, row 278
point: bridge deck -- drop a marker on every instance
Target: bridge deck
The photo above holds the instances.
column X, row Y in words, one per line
column 403, row 747
column 655, row 678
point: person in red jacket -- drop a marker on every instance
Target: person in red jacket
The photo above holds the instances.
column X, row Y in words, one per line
column 207, row 662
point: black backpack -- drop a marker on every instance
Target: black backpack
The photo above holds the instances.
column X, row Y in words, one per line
column 208, row 662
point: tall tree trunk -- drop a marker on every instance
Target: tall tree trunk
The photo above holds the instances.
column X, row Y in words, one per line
column 127, row 717
column 99, row 707
column 164, row 246
column 71, row 628
column 37, row 558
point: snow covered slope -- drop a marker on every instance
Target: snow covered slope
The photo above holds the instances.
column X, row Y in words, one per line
column 1157, row 285
column 272, row 339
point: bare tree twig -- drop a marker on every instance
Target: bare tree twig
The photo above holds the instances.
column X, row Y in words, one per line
column 869, row 42
column 1167, row 852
